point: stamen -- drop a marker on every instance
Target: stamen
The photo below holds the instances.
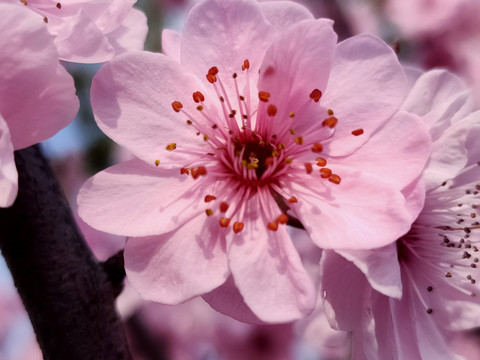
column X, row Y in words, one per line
column 223, row 207
column 45, row 20
column 184, row 171
column 157, row 162
column 209, row 198
column 330, row 122
column 246, row 65
column 299, row 140
column 316, row 95
column 224, row 222
column 321, row 161
column 273, row 225
column 330, row 112
column 282, row 219
column 325, row 173
column 292, row 200
column 198, row 172
column 264, row 96
column 177, row 105
column 209, row 212
column 335, row 179
column 308, row 168
column 271, row 110
column 198, row 97
column 237, row 227
column 59, row 6
column 317, row 147
column 171, row 146
column 357, row 132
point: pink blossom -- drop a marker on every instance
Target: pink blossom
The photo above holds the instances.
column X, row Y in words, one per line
column 92, row 31
column 279, row 113
column 405, row 300
column 37, row 96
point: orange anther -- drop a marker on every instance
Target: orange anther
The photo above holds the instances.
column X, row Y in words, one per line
column 308, row 168
column 202, row 170
column 184, row 171
column 317, row 147
column 209, row 198
column 189, row 122
column 330, row 112
column 269, row 161
column 213, row 70
column 198, row 96
column 157, row 162
column 316, row 95
column 223, row 207
column 209, row 212
column 237, row 227
column 246, row 64
column 273, row 225
column 59, row 6
column 330, row 122
column 264, row 96
column 335, row 179
column 271, row 110
column 224, row 222
column 321, row 161
column 325, row 173
column 211, row 78
column 177, row 105
column 171, row 146
column 288, row 160
column 292, row 200
column 299, row 140
column 45, row 20
column 205, row 137
column 282, row 219
column 357, row 132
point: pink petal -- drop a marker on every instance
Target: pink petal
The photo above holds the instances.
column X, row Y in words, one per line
column 171, row 44
column 37, row 94
column 78, row 39
column 8, row 170
column 228, row 300
column 295, row 65
column 359, row 213
column 366, row 86
column 268, row 271
column 379, row 267
column 224, row 34
column 176, row 266
column 283, row 14
column 135, row 199
column 397, row 153
column 344, row 310
column 131, row 33
column 132, row 100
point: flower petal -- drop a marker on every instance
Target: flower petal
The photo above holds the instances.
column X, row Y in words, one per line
column 379, row 267
column 176, row 266
column 171, row 44
column 228, row 300
column 295, row 65
column 8, row 170
column 268, row 271
column 78, row 39
column 359, row 213
column 223, row 33
column 37, row 94
column 132, row 100
column 131, row 33
column 135, row 199
column 396, row 154
column 283, row 14
column 366, row 87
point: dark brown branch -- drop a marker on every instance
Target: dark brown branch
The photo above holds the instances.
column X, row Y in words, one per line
column 67, row 294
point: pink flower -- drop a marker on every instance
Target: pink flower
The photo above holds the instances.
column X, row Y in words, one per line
column 37, row 96
column 92, row 31
column 403, row 301
column 262, row 126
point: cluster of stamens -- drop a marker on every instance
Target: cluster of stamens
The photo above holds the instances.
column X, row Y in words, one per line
column 249, row 150
column 450, row 249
